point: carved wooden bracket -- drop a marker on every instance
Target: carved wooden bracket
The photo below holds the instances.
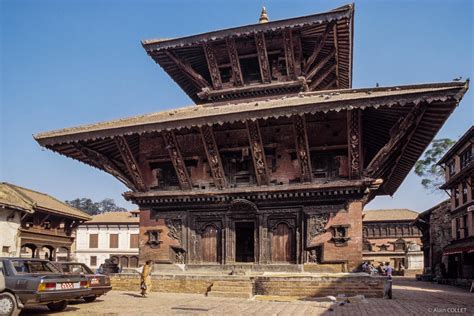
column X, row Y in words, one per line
column 258, row 152
column 263, row 57
column 189, row 71
column 177, row 160
column 289, row 54
column 130, row 162
column 323, row 76
column 234, row 62
column 318, row 48
column 354, row 133
column 213, row 157
column 321, row 65
column 302, row 148
column 213, row 66
column 102, row 162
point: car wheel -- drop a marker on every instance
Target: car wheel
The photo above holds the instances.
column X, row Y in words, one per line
column 8, row 304
column 89, row 299
column 57, row 307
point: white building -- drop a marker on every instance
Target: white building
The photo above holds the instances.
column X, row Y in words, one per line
column 111, row 235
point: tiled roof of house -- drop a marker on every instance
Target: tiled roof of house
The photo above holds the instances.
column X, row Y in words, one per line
column 389, row 215
column 27, row 199
column 114, row 218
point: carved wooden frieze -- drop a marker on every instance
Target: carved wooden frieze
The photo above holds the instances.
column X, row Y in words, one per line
column 316, row 225
column 234, row 62
column 175, row 227
column 355, row 143
column 102, row 162
column 213, row 66
column 213, row 157
column 289, row 54
column 177, row 160
column 258, row 152
column 263, row 57
column 130, row 162
column 302, row 148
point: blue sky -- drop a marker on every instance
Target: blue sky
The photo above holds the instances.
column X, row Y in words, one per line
column 67, row 63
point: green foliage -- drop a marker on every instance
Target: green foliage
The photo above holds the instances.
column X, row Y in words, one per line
column 93, row 208
column 432, row 175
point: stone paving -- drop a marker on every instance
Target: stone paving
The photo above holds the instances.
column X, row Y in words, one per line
column 409, row 298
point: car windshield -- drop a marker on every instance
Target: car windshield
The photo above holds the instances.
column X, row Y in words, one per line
column 34, row 266
column 76, row 268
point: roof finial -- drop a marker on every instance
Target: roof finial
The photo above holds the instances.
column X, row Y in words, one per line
column 263, row 16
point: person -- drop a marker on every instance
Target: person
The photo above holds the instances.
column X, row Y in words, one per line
column 145, row 279
column 365, row 266
column 388, row 270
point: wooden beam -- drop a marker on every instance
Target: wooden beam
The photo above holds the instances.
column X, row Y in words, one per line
column 195, row 77
column 336, row 48
column 289, row 54
column 400, row 136
column 330, row 85
column 302, row 148
column 213, row 157
column 234, row 62
column 321, row 65
column 263, row 57
column 177, row 160
column 354, row 134
column 323, row 76
column 101, row 161
column 318, row 48
column 213, row 66
column 258, row 152
column 130, row 162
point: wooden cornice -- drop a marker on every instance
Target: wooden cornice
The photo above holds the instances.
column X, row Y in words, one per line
column 234, row 62
column 177, row 160
column 130, row 162
column 318, row 48
column 321, row 65
column 302, row 148
column 321, row 78
column 289, row 54
column 213, row 157
column 258, row 152
column 213, row 66
column 263, row 57
column 188, row 70
column 102, row 162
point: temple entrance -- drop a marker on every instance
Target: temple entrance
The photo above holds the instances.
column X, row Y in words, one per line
column 282, row 244
column 210, row 244
column 244, row 242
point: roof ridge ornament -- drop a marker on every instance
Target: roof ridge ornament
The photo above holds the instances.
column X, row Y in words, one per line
column 263, row 16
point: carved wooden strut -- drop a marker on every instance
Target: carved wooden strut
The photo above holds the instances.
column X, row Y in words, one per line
column 355, row 143
column 177, row 159
column 213, row 157
column 234, row 62
column 289, row 54
column 258, row 152
column 213, row 66
column 130, row 162
column 198, row 80
column 302, row 148
column 263, row 57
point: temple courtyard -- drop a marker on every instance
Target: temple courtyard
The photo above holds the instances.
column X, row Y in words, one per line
column 410, row 297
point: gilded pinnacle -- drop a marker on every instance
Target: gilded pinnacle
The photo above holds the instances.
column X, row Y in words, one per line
column 263, row 16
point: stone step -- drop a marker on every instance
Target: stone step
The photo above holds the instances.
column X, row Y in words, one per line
column 233, row 289
column 232, row 283
column 229, row 294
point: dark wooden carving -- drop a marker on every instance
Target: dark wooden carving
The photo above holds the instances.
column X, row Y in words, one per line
column 258, row 153
column 318, row 48
column 289, row 54
column 320, row 65
column 317, row 224
column 175, row 228
column 177, row 160
column 263, row 57
column 213, row 66
column 102, row 162
column 336, row 48
column 188, row 70
column 213, row 157
column 234, row 62
column 302, row 148
column 355, row 142
column 130, row 162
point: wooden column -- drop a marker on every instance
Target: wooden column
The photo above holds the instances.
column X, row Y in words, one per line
column 289, row 54
column 213, row 157
column 258, row 152
column 213, row 66
column 263, row 57
column 302, row 148
column 177, row 160
column 354, row 133
column 234, row 62
column 130, row 162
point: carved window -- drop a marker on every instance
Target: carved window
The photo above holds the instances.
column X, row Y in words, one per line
column 340, row 235
column 154, row 238
column 383, row 247
column 466, row 157
column 464, row 192
column 113, row 240
column 451, row 167
column 133, row 240
column 455, row 194
column 400, row 245
column 366, row 246
column 93, row 240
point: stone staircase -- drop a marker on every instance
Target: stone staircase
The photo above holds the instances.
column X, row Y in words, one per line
column 242, row 288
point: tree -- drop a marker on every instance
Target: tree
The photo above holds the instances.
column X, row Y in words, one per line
column 93, row 208
column 432, row 175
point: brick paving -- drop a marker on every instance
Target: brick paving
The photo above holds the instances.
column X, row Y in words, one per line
column 410, row 298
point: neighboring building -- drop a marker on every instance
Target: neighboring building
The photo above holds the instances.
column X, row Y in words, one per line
column 111, row 235
column 34, row 224
column 389, row 236
column 435, row 226
column 277, row 159
column 459, row 170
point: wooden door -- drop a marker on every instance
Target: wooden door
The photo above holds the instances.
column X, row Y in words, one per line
column 282, row 244
column 210, row 244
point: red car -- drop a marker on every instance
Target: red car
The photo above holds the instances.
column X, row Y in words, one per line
column 99, row 283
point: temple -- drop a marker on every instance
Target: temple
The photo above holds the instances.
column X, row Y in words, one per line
column 274, row 162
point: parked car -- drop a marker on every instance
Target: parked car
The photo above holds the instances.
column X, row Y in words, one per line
column 37, row 281
column 99, row 283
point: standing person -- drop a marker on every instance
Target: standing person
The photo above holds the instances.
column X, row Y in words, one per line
column 388, row 270
column 145, row 279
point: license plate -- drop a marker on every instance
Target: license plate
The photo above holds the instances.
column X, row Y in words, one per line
column 67, row 285
column 94, row 281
